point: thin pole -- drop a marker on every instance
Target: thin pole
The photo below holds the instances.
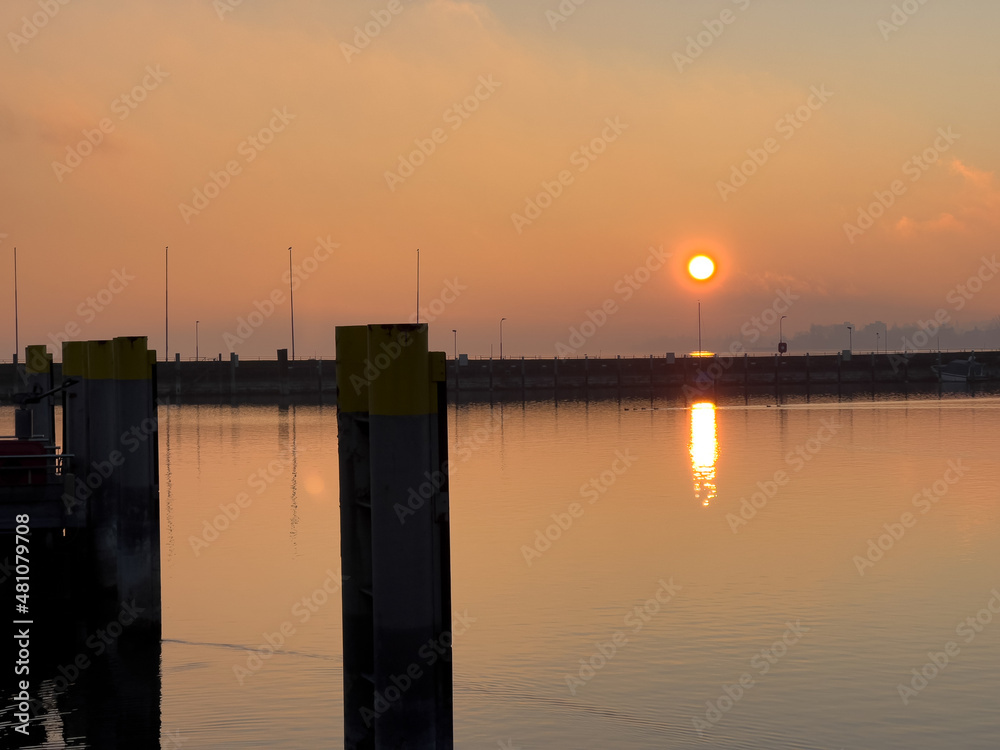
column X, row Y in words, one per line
column 418, row 284
column 196, row 334
column 17, row 345
column 501, row 336
column 291, row 299
column 699, row 327
column 166, row 303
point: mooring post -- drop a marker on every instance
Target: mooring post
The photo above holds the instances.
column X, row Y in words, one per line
column 618, row 368
column 555, row 379
column 652, row 391
column 406, row 471
column 38, row 379
column 74, row 437
column 234, row 363
column 283, row 372
column 104, row 459
column 355, row 537
column 138, row 486
column 411, row 606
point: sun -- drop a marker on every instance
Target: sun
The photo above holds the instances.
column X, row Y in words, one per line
column 701, row 267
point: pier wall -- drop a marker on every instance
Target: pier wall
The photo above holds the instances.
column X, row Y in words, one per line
column 480, row 379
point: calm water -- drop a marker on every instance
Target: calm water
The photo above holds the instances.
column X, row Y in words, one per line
column 779, row 603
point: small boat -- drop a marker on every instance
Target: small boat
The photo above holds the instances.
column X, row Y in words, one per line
column 961, row 370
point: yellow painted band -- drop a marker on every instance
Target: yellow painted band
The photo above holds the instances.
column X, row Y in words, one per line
column 352, row 385
column 398, row 370
column 100, row 360
column 36, row 359
column 74, row 359
column 131, row 358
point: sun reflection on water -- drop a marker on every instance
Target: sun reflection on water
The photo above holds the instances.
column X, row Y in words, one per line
column 704, row 450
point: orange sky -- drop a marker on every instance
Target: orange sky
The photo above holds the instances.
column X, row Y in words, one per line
column 534, row 97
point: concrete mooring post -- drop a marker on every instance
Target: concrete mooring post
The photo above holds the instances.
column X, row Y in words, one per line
column 74, row 440
column 102, row 448
column 283, row 372
column 138, row 575
column 111, row 434
column 399, row 540
column 38, row 379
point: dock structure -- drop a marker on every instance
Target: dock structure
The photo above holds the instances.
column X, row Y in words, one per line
column 233, row 379
column 104, row 480
column 31, row 467
column 87, row 512
column 395, row 539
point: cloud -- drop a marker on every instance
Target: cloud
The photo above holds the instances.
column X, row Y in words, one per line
column 769, row 281
column 974, row 205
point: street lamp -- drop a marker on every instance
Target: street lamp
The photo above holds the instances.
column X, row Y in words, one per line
column 291, row 298
column 501, row 337
column 196, row 332
column 781, row 336
column 166, row 304
column 850, row 333
column 699, row 328
column 455, row 331
column 877, row 334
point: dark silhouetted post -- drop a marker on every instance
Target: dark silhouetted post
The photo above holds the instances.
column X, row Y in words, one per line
column 355, row 536
column 103, row 452
column 38, row 379
column 410, row 570
column 283, row 372
column 138, row 484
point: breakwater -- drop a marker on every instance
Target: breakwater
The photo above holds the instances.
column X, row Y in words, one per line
column 556, row 378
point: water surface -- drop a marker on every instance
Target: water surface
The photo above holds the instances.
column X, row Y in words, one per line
column 567, row 523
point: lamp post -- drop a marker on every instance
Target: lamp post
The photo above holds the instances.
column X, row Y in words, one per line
column 501, row 337
column 699, row 328
column 166, row 304
column 781, row 336
column 850, row 333
column 291, row 299
column 455, row 332
column 196, row 334
column 877, row 334
column 17, row 343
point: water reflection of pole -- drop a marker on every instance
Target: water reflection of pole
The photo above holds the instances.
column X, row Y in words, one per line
column 197, row 436
column 503, row 443
column 293, row 531
column 170, row 492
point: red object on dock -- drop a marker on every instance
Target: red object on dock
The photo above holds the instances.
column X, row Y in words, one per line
column 22, row 462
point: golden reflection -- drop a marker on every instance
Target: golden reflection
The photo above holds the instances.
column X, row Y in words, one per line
column 704, row 450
